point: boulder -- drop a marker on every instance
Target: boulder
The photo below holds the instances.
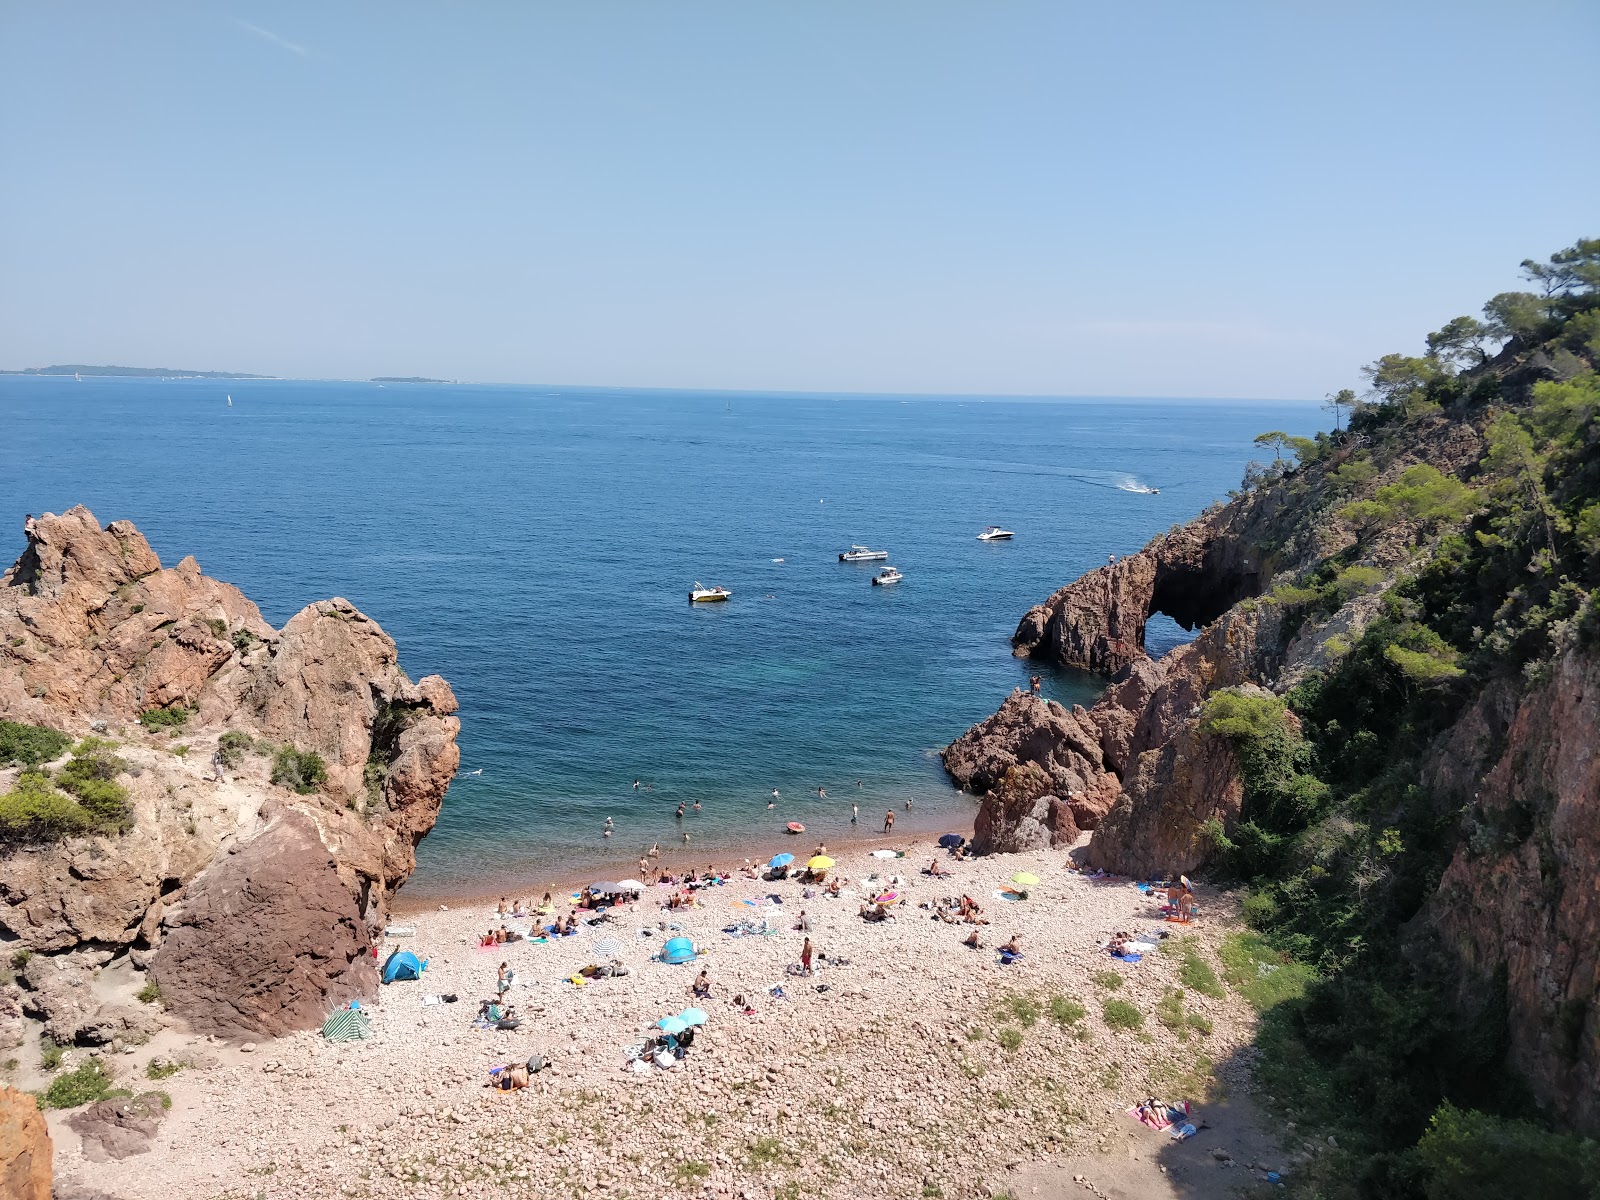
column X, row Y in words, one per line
column 119, row 1128
column 25, row 1151
column 265, row 940
column 1063, row 744
column 1019, row 813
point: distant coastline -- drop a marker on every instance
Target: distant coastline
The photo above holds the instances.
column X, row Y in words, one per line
column 405, row 379
column 132, row 372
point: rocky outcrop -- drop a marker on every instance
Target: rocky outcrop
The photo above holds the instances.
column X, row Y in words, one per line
column 25, row 1154
column 1520, row 901
column 1193, row 574
column 120, row 1128
column 1019, row 813
column 1061, row 745
column 95, row 632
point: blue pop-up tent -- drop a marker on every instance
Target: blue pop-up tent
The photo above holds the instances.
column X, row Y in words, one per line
column 677, row 950
column 403, row 964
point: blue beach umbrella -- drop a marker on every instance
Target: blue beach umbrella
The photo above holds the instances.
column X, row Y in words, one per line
column 693, row 1016
column 781, row 860
column 672, row 1025
column 951, row 840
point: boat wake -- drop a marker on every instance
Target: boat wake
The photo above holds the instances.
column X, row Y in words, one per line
column 1130, row 484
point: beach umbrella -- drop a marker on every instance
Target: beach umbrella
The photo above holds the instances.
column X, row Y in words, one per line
column 602, row 889
column 820, row 862
column 608, row 947
column 629, row 885
column 780, row 860
column 693, row 1016
column 672, row 1025
column 1025, row 879
column 951, row 840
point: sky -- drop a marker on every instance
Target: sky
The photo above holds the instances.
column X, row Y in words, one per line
column 996, row 197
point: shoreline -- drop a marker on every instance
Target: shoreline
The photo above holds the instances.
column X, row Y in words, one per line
column 675, row 860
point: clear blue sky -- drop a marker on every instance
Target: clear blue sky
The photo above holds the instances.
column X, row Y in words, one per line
column 1202, row 199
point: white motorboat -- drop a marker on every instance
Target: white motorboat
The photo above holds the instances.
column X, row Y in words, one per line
column 862, row 554
column 700, row 595
column 887, row 576
column 995, row 534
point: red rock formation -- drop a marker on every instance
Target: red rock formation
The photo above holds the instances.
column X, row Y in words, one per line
column 25, row 1153
column 94, row 630
column 119, row 1128
column 1019, row 813
column 266, row 940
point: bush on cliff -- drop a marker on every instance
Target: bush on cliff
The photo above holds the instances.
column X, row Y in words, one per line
column 34, row 811
column 29, row 745
column 302, row 770
column 171, row 718
column 1473, row 1156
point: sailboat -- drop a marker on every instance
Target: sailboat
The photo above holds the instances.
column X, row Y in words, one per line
column 230, row 400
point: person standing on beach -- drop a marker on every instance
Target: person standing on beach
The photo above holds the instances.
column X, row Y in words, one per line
column 805, row 957
column 644, row 867
column 888, row 821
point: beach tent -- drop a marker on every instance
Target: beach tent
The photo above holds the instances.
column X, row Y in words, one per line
column 402, row 964
column 677, row 950
column 347, row 1025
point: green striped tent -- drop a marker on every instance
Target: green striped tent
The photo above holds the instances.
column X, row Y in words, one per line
column 346, row 1025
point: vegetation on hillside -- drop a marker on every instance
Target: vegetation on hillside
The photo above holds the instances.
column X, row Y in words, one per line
column 1340, row 842
column 82, row 797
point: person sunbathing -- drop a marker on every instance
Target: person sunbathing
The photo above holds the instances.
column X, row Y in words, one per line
column 501, row 909
column 1012, row 947
column 972, row 940
column 701, row 988
column 546, row 904
column 834, row 888
column 936, row 870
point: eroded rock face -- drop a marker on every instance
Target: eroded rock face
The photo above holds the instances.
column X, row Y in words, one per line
column 25, row 1152
column 1522, row 895
column 267, row 939
column 93, row 630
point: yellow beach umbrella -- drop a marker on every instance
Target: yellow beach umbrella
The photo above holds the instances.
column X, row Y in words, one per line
column 820, row 862
column 1025, row 879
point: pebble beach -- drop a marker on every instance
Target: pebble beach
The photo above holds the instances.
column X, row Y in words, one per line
column 913, row 1066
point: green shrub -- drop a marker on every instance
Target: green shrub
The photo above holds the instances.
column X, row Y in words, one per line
column 1169, row 1011
column 169, row 718
column 50, row 1053
column 165, row 1071
column 302, row 770
column 1109, row 980
column 1199, row 1024
column 1023, row 1009
column 150, row 993
column 1010, row 1039
column 90, row 775
column 243, row 639
column 29, row 745
column 232, row 746
column 21, row 958
column 88, row 1083
column 1119, row 1014
column 1065, row 1011
column 1194, row 971
column 34, row 811
column 1474, row 1156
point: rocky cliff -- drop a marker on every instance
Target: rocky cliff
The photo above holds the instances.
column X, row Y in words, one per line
column 1387, row 725
column 208, row 704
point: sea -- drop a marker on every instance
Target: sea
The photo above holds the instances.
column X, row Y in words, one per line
column 536, row 546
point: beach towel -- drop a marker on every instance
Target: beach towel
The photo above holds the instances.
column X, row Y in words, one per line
column 1128, row 958
column 1141, row 947
column 1007, row 958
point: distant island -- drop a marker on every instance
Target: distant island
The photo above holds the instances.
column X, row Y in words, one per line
column 136, row 372
column 405, row 379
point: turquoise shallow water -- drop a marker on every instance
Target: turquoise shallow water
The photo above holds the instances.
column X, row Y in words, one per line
column 535, row 546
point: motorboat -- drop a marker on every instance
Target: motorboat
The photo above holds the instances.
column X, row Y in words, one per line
column 862, row 554
column 887, row 576
column 995, row 534
column 700, row 594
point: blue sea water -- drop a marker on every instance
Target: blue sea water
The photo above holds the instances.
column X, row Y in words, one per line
column 536, row 545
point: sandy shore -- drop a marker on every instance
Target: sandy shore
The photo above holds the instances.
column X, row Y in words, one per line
column 917, row 1068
